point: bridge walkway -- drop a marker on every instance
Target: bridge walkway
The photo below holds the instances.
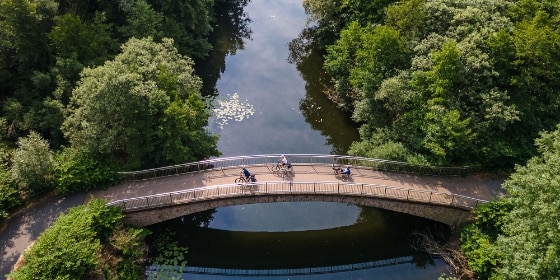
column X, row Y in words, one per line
column 475, row 186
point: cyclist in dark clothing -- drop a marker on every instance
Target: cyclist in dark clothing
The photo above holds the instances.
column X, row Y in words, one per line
column 246, row 173
column 346, row 171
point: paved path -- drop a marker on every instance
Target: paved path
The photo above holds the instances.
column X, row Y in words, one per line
column 26, row 225
column 472, row 186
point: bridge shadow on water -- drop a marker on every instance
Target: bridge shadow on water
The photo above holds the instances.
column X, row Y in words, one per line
column 363, row 245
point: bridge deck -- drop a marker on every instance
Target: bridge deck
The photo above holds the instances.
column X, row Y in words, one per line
column 474, row 186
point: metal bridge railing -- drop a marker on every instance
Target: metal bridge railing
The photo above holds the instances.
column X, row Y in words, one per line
column 286, row 187
column 270, row 159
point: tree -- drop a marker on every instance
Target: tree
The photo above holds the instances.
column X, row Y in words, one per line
column 88, row 42
column 188, row 23
column 33, row 163
column 143, row 21
column 530, row 244
column 143, row 108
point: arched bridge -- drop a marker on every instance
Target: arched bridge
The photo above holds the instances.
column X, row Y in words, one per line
column 442, row 194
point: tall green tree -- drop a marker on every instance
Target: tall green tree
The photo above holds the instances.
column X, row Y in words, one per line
column 188, row 23
column 530, row 245
column 143, row 108
column 90, row 43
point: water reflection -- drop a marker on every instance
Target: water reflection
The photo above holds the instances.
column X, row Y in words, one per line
column 373, row 235
column 284, row 216
column 230, row 30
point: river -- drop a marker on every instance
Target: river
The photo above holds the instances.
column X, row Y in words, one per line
column 267, row 105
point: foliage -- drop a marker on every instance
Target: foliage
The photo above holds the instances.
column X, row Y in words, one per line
column 143, row 21
column 88, row 42
column 479, row 238
column 387, row 150
column 78, row 171
column 515, row 237
column 191, row 34
column 143, row 108
column 70, row 248
column 9, row 193
column 530, row 243
column 451, row 80
column 46, row 44
column 170, row 260
column 33, row 163
column 87, row 242
column 125, row 255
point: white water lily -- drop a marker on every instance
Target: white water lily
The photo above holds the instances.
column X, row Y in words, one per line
column 230, row 108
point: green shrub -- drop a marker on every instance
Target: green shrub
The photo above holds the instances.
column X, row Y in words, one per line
column 9, row 194
column 78, row 171
column 478, row 239
column 88, row 242
column 72, row 246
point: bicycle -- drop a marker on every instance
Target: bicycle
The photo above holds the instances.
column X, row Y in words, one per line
column 243, row 179
column 282, row 167
column 338, row 172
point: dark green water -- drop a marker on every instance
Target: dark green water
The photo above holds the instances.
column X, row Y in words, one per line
column 291, row 115
column 371, row 236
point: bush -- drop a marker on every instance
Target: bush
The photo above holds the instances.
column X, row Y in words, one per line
column 32, row 163
column 9, row 194
column 80, row 242
column 478, row 240
column 79, row 171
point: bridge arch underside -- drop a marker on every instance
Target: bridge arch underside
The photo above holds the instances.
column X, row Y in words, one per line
column 445, row 214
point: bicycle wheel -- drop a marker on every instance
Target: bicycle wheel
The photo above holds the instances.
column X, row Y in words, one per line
column 276, row 167
column 240, row 180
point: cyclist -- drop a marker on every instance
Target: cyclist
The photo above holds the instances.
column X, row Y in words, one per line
column 346, row 171
column 283, row 160
column 246, row 173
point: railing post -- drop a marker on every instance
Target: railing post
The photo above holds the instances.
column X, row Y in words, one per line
column 452, row 199
column 171, row 198
column 147, row 202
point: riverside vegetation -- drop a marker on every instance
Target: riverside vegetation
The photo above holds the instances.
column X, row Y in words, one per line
column 90, row 88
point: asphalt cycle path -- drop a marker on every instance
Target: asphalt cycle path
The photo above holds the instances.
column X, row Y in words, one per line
column 27, row 224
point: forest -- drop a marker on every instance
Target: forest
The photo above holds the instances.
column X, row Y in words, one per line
column 457, row 82
column 448, row 83
column 93, row 87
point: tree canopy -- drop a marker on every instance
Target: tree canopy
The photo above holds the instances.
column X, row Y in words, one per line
column 144, row 108
column 450, row 80
column 516, row 236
